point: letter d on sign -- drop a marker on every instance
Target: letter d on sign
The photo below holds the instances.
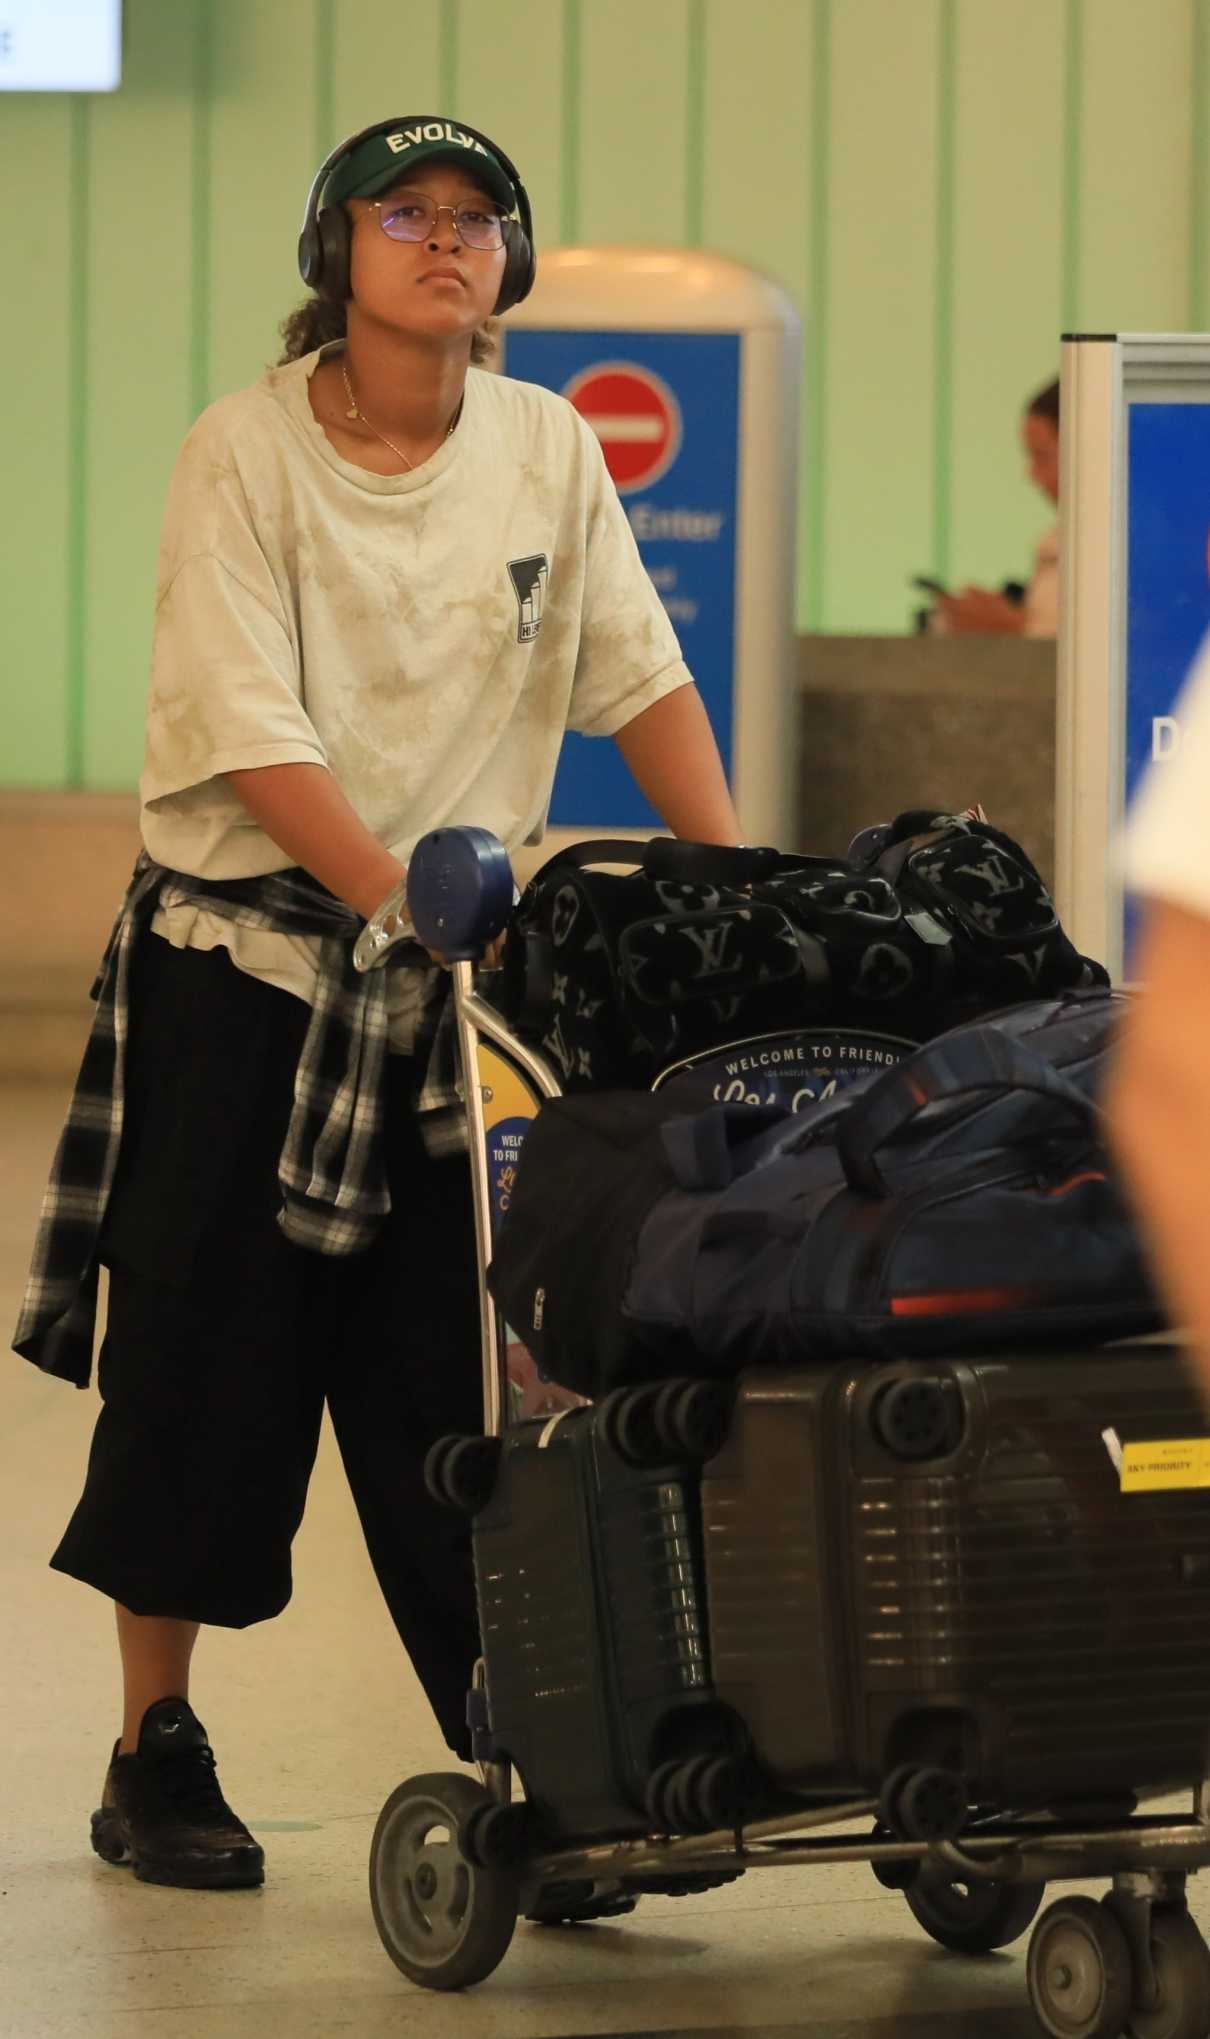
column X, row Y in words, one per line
column 1165, row 737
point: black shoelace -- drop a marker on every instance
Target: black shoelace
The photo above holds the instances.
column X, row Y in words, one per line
column 192, row 1788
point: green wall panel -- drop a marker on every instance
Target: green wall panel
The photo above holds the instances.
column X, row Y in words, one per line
column 42, row 227
column 941, row 185
column 262, row 156
column 385, row 59
column 1135, row 165
column 758, row 191
column 876, row 436
column 633, row 126
column 1007, row 281
column 139, row 381
column 516, row 96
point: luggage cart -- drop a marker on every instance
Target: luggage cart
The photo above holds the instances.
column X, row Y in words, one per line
column 453, row 1864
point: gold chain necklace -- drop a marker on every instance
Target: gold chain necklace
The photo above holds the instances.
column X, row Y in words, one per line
column 355, row 411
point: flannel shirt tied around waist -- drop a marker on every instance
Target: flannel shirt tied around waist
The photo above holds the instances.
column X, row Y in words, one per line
column 333, row 1183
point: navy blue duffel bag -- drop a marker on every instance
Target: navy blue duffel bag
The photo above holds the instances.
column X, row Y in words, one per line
column 962, row 1199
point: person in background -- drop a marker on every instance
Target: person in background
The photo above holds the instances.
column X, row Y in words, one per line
column 1159, row 1103
column 982, row 611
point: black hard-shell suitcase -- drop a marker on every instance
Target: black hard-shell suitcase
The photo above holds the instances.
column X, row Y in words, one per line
column 593, row 1627
column 936, row 1564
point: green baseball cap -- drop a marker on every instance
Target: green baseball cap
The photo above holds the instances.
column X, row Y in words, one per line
column 388, row 158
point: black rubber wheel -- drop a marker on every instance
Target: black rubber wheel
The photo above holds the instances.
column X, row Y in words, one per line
column 721, row 1793
column 1182, row 1970
column 684, row 1796
column 923, row 1803
column 627, row 1419
column 434, row 1469
column 468, row 1472
column 444, row 1921
column 892, row 1875
column 912, row 1419
column 970, row 1918
column 1079, row 1971
column 496, row 1836
column 692, row 1418
column 656, row 1796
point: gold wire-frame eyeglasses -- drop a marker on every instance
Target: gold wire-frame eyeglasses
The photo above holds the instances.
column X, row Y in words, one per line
column 474, row 227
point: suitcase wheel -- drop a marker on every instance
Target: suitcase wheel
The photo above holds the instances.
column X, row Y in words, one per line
column 970, row 1918
column 495, row 1836
column 697, row 1796
column 693, row 1417
column 460, row 1472
column 892, row 1875
column 924, row 1803
column 444, row 1921
column 627, row 1424
column 669, row 1422
column 914, row 1419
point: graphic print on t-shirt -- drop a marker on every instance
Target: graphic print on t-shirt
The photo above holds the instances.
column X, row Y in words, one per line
column 528, row 577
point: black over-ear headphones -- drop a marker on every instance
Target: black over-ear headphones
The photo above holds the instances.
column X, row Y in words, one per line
column 325, row 243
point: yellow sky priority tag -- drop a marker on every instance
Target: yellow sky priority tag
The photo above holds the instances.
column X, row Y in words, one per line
column 1159, row 1463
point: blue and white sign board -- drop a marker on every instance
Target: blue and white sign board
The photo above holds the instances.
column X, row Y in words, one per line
column 675, row 462
column 1134, row 600
column 686, row 367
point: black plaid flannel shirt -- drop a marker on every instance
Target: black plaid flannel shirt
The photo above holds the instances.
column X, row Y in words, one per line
column 334, row 1193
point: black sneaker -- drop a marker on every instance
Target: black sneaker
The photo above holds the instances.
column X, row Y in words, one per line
column 162, row 1810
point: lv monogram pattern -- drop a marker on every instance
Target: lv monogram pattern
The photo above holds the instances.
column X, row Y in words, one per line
column 616, row 976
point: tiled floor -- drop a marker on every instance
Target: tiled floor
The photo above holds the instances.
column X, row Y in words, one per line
column 316, row 1718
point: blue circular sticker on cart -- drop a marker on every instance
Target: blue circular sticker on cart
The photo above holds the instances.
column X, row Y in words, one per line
column 792, row 1070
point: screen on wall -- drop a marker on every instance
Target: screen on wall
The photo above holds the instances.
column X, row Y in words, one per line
column 60, row 45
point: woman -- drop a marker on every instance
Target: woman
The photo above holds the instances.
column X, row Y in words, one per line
column 978, row 610
column 388, row 582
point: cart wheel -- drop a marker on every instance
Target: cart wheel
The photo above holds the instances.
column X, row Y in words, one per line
column 970, row 1918
column 444, row 1921
column 1182, row 1970
column 1079, row 1971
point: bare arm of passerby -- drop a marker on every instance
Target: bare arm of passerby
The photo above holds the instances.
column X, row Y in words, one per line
column 1160, row 1113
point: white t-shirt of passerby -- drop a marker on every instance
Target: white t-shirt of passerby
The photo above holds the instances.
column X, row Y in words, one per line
column 1167, row 854
column 428, row 636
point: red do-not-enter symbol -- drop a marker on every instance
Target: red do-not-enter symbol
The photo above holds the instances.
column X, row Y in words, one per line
column 634, row 415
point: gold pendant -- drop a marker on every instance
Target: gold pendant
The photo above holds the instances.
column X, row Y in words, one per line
column 353, row 413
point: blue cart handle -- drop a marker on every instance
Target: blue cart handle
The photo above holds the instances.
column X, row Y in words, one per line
column 460, row 892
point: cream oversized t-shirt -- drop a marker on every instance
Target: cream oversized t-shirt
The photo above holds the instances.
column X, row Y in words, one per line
column 428, row 636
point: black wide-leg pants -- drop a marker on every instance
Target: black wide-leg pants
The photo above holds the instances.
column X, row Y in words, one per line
column 224, row 1341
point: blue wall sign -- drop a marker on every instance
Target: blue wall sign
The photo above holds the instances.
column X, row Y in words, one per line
column 684, row 519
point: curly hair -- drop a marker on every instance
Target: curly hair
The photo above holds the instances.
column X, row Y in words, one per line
column 316, row 321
